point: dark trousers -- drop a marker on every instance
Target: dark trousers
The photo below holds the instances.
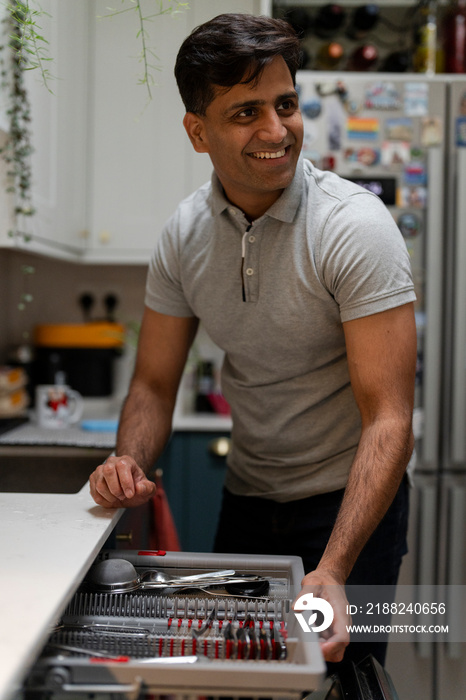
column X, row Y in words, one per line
column 254, row 525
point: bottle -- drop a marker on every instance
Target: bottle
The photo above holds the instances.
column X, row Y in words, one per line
column 363, row 19
column 363, row 58
column 425, row 54
column 454, row 37
column 300, row 20
column 329, row 20
column 397, row 62
column 205, row 386
column 329, row 56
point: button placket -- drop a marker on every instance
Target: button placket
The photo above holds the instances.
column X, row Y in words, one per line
column 251, row 267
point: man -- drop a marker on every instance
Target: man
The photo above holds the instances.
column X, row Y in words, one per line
column 303, row 279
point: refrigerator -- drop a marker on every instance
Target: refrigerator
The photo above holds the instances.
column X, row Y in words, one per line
column 404, row 138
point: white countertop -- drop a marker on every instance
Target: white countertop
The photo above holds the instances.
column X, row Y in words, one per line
column 47, row 544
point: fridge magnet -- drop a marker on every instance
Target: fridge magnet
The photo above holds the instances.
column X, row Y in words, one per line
column 364, row 156
column 416, row 99
column 362, row 128
column 312, row 108
column 461, row 131
column 382, row 95
column 368, row 156
column 431, row 131
column 462, row 110
column 395, row 153
column 409, row 224
column 415, row 197
column 415, row 174
column 399, row 129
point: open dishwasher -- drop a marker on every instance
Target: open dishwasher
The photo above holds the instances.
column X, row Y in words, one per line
column 126, row 634
column 145, row 624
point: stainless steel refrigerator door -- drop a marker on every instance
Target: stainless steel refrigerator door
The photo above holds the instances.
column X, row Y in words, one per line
column 458, row 223
column 335, row 108
column 411, row 665
column 451, row 656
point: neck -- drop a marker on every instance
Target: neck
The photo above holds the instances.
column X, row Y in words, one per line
column 251, row 207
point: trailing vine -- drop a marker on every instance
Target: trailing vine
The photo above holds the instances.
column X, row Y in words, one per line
column 17, row 148
column 147, row 53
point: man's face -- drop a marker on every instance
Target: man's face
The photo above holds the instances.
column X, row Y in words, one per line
column 253, row 134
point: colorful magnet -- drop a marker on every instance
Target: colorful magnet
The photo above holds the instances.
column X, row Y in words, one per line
column 416, row 99
column 311, row 108
column 431, row 131
column 365, row 156
column 362, row 128
column 415, row 174
column 399, row 129
column 460, row 131
column 395, row 152
column 382, row 95
column 409, row 224
column 415, row 197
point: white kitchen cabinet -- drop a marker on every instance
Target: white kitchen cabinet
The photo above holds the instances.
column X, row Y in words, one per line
column 109, row 165
column 59, row 134
column 142, row 161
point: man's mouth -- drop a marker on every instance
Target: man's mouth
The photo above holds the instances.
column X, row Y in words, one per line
column 260, row 155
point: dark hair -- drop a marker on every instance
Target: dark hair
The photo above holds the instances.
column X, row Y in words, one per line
column 228, row 50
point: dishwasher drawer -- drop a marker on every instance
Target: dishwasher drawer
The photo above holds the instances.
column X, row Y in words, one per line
column 195, row 643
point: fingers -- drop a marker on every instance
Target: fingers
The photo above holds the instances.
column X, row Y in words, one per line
column 119, row 482
column 322, row 592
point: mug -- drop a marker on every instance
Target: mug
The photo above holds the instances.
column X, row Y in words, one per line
column 58, row 406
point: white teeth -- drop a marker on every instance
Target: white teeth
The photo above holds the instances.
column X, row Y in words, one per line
column 269, row 154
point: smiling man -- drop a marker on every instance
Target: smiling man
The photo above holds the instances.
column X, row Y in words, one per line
column 253, row 133
column 304, row 280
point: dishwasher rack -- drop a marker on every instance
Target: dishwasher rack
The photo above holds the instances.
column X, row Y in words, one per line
column 144, row 644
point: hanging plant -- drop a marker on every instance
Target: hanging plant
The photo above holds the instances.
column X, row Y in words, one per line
column 17, row 148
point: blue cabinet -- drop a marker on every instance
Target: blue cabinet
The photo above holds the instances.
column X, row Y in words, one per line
column 193, row 475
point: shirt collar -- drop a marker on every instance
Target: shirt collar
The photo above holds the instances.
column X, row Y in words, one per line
column 284, row 209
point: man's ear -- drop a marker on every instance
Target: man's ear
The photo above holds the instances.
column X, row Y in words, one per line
column 194, row 125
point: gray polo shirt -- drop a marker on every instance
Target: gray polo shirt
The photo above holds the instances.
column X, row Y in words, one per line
column 273, row 295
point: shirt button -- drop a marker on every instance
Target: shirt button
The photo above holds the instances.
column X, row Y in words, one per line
column 232, row 211
column 249, row 271
column 252, row 239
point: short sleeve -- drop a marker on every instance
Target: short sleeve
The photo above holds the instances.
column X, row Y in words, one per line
column 164, row 289
column 363, row 258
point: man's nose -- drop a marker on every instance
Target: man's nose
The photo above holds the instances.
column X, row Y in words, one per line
column 271, row 128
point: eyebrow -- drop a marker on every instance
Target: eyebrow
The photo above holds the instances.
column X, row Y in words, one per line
column 257, row 103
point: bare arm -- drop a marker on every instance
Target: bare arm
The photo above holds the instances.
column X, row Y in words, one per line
column 382, row 359
column 145, row 421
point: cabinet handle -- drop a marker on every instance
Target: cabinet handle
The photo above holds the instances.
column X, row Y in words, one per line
column 220, row 447
column 124, row 536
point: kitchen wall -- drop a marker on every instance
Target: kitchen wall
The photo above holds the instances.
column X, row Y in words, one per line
column 56, row 286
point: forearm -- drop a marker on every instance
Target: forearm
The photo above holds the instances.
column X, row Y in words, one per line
column 378, row 467
column 145, row 425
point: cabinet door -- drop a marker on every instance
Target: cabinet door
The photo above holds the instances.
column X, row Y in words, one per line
column 138, row 169
column 193, row 479
column 143, row 164
column 59, row 133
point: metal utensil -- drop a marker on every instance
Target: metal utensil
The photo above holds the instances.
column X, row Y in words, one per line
column 107, row 655
column 120, row 576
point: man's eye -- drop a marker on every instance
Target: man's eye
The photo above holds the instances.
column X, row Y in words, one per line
column 287, row 106
column 248, row 112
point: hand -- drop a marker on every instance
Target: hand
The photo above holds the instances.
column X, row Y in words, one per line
column 335, row 639
column 120, row 483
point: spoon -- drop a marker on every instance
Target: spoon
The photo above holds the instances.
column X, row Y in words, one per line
column 120, row 576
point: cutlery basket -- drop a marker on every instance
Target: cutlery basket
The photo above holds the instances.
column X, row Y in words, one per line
column 183, row 643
